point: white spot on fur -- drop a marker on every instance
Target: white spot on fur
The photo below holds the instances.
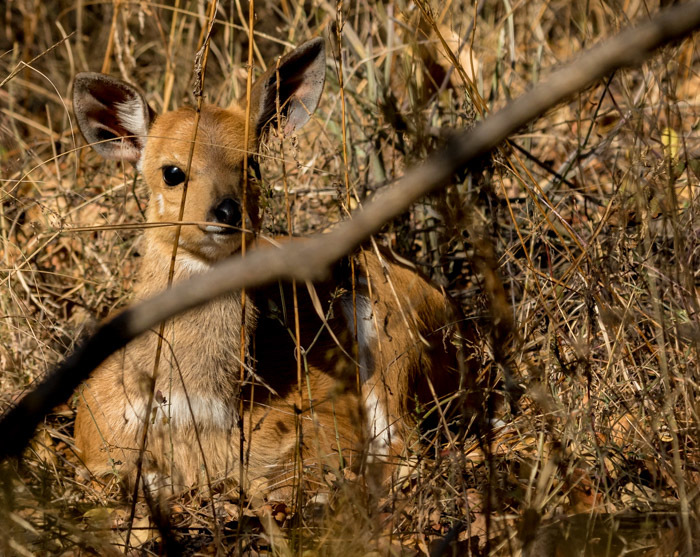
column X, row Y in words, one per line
column 204, row 411
column 159, row 201
column 153, row 481
column 378, row 427
column 320, row 499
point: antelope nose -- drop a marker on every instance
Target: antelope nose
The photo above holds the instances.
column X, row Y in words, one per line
column 228, row 212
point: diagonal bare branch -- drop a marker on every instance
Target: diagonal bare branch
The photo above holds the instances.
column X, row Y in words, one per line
column 312, row 258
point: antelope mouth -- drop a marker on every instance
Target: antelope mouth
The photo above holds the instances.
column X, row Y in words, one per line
column 218, row 230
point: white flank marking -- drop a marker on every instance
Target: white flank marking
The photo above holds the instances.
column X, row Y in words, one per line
column 379, row 429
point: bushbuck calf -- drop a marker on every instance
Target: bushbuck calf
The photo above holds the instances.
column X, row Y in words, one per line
column 370, row 359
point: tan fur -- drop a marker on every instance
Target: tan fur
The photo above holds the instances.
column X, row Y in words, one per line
column 404, row 353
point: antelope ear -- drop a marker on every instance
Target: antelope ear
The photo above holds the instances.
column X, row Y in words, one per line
column 113, row 116
column 302, row 74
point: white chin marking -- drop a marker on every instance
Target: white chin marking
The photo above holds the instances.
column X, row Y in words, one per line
column 213, row 251
column 192, row 264
column 214, row 229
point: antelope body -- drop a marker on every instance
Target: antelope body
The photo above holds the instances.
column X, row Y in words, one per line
column 403, row 356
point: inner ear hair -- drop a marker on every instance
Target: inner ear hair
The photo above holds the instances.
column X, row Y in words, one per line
column 108, row 109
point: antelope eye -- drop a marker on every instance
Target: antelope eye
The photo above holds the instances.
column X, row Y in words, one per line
column 173, row 176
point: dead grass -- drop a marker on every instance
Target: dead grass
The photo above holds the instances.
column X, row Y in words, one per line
column 589, row 217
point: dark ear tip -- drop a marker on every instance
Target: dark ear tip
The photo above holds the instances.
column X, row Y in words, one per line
column 317, row 42
column 87, row 80
column 86, row 77
column 314, row 47
column 88, row 83
column 82, row 79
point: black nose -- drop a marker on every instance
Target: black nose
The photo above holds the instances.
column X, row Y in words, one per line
column 228, row 212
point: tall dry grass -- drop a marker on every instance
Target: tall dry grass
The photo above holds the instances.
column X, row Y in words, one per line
column 588, row 217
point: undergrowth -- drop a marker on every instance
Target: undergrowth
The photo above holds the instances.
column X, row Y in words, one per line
column 574, row 247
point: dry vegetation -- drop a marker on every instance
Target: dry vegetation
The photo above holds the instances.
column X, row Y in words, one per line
column 588, row 217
